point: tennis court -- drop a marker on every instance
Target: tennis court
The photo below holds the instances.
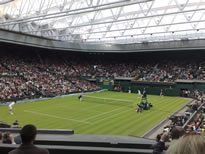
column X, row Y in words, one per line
column 110, row 113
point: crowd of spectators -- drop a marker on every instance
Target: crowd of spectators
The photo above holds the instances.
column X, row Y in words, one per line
column 24, row 76
column 192, row 122
column 180, row 142
column 29, row 77
column 164, row 70
column 12, row 87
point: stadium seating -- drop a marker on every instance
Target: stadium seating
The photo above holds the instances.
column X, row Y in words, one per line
column 44, row 74
column 4, row 125
column 48, row 76
column 63, row 141
column 27, row 78
column 4, row 149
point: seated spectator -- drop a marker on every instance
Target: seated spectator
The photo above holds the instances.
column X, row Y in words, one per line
column 15, row 124
column 8, row 138
column 17, row 139
column 157, row 139
column 160, row 146
column 28, row 135
column 1, row 137
column 176, row 133
column 188, row 144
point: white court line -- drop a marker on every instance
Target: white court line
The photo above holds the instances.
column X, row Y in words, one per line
column 103, row 113
column 54, row 107
column 38, row 113
column 110, row 116
column 103, row 98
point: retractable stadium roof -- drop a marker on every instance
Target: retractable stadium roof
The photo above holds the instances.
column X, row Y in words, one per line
column 106, row 21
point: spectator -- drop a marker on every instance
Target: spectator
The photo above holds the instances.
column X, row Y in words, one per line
column 28, row 135
column 1, row 137
column 17, row 139
column 160, row 146
column 188, row 144
column 15, row 124
column 176, row 133
column 158, row 137
column 30, row 76
column 8, row 138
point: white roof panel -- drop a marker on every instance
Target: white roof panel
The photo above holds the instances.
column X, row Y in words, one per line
column 106, row 21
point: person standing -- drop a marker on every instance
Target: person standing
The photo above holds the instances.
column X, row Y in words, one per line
column 11, row 107
column 144, row 95
column 161, row 93
column 139, row 93
column 80, row 98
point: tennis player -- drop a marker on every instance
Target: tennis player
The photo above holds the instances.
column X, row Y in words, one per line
column 11, row 107
column 80, row 98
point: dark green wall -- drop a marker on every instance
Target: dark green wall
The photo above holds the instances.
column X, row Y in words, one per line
column 109, row 87
column 154, row 88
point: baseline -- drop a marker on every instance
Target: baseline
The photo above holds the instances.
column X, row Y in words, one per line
column 57, row 117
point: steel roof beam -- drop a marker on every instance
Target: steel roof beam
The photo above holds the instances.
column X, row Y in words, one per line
column 81, row 11
column 122, row 20
column 170, row 32
column 179, row 23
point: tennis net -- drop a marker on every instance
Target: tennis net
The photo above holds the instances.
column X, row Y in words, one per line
column 109, row 101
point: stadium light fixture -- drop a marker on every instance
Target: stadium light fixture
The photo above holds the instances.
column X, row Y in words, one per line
column 5, row 1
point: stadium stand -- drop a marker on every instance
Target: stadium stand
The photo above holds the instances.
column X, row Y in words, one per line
column 48, row 74
column 30, row 78
column 41, row 75
column 51, row 49
column 64, row 141
column 74, row 150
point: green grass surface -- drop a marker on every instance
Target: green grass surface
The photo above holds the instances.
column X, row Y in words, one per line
column 100, row 117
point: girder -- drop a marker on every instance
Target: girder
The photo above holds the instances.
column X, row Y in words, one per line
column 106, row 20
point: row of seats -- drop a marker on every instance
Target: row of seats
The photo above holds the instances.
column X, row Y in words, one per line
column 55, row 143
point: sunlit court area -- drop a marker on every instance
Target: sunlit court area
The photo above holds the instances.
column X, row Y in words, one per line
column 102, row 76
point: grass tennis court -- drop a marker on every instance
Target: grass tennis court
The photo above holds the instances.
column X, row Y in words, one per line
column 110, row 117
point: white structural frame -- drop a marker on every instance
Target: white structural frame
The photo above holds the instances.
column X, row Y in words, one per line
column 106, row 21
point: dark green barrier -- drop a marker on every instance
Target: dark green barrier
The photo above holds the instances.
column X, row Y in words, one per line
column 109, row 87
column 154, row 88
column 189, row 86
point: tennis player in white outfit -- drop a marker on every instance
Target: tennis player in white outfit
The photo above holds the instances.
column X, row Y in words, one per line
column 11, row 107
